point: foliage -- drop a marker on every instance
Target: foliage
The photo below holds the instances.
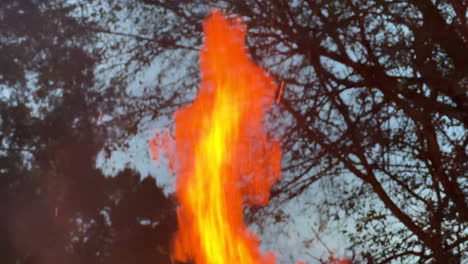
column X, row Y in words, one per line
column 57, row 207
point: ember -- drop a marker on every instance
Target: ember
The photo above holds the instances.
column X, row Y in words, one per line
column 224, row 158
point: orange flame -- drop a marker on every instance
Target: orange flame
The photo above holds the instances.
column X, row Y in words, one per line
column 224, row 156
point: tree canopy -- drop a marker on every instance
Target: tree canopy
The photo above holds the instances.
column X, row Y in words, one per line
column 374, row 109
column 57, row 207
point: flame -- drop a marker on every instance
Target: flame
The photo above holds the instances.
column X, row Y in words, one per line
column 224, row 157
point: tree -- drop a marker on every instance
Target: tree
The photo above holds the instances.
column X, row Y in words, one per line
column 374, row 91
column 57, row 207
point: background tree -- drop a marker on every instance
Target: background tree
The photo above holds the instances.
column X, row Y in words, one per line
column 57, row 207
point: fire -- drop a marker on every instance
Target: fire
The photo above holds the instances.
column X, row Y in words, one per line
column 223, row 156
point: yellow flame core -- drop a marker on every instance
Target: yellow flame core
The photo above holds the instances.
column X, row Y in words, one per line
column 224, row 157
